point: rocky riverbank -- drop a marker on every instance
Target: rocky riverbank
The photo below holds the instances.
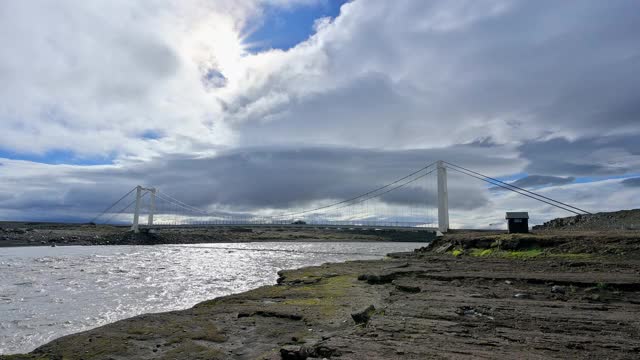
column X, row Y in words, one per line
column 44, row 234
column 613, row 221
column 473, row 296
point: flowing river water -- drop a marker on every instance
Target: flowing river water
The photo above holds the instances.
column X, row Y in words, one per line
column 49, row 292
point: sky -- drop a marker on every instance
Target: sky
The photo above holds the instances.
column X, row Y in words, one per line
column 269, row 105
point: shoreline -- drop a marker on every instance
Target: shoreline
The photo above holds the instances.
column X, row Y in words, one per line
column 30, row 234
column 531, row 295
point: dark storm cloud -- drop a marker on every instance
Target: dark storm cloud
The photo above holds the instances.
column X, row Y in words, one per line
column 606, row 155
column 461, row 196
column 631, row 182
column 266, row 177
column 290, row 177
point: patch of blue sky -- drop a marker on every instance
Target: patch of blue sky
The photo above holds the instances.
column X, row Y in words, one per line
column 588, row 179
column 57, row 157
column 150, row 135
column 214, row 79
column 285, row 27
column 513, row 177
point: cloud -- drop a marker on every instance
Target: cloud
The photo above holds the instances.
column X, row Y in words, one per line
column 274, row 180
column 168, row 90
column 542, row 180
column 454, row 75
column 588, row 156
column 631, row 182
column 246, row 180
column 397, row 76
column 91, row 77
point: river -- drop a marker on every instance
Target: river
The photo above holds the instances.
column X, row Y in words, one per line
column 49, row 292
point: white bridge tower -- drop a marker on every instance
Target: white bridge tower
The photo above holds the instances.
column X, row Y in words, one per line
column 152, row 207
column 443, row 198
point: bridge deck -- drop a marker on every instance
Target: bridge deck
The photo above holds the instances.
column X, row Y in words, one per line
column 303, row 226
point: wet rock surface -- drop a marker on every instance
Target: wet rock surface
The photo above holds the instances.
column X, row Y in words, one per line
column 466, row 307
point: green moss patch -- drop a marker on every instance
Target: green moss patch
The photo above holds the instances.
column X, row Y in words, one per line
column 193, row 350
column 520, row 254
column 506, row 254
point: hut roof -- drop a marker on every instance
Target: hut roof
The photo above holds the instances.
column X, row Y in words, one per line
column 517, row 215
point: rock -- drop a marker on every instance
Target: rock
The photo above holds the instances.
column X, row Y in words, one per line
column 557, row 289
column 408, row 288
column 522, row 296
column 405, row 287
column 295, row 353
column 508, row 282
column 471, row 312
column 270, row 314
column 577, row 264
column 444, row 248
column 363, row 316
column 373, row 279
column 595, row 297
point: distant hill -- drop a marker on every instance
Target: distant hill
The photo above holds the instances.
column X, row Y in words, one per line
column 617, row 220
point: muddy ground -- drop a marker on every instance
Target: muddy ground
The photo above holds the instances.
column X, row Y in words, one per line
column 39, row 234
column 468, row 296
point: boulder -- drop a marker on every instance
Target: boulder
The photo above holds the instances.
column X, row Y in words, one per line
column 363, row 316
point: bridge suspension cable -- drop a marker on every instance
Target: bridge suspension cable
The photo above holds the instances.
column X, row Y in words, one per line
column 179, row 203
column 112, row 205
column 356, row 197
column 516, row 189
column 390, row 190
column 360, row 210
column 126, row 207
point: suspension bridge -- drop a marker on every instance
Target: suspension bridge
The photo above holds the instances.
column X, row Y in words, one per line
column 417, row 201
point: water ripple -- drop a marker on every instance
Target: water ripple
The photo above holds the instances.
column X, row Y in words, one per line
column 49, row 292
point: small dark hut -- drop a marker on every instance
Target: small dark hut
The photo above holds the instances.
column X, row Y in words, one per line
column 518, row 222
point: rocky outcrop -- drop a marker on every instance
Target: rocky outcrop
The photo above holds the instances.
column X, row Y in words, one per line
column 618, row 220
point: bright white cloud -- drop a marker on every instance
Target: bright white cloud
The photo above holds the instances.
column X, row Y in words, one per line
column 93, row 77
